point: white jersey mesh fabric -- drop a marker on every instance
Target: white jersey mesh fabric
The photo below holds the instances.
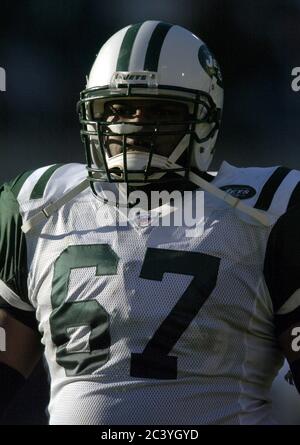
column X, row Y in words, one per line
column 227, row 356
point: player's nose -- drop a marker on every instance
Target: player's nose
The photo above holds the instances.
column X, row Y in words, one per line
column 141, row 114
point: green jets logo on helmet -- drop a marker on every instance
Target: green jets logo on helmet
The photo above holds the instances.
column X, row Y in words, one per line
column 210, row 65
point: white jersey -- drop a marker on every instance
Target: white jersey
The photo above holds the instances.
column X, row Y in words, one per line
column 142, row 324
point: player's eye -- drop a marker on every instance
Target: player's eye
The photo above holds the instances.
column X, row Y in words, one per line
column 159, row 112
column 166, row 113
column 123, row 111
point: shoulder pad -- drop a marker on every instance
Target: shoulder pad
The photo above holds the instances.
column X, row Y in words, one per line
column 50, row 182
column 276, row 188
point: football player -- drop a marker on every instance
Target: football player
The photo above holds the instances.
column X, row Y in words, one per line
column 142, row 324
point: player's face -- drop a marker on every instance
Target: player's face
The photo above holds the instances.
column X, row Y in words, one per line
column 167, row 113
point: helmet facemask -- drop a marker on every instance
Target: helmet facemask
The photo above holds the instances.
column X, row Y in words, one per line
column 134, row 151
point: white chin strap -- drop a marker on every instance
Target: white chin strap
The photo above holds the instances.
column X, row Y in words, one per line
column 138, row 160
column 125, row 128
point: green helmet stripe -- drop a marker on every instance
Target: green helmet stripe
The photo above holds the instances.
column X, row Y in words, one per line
column 155, row 45
column 39, row 188
column 126, row 47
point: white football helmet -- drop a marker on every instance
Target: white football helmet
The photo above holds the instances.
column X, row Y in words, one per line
column 158, row 61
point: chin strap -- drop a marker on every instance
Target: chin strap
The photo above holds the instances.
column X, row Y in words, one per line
column 258, row 215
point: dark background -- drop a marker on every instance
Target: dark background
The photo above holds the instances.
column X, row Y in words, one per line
column 48, row 46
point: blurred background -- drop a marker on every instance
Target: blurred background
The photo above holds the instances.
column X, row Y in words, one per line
column 47, row 48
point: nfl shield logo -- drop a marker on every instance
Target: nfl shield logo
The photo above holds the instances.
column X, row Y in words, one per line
column 144, row 219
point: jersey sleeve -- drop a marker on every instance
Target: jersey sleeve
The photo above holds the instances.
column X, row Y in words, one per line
column 13, row 257
column 282, row 275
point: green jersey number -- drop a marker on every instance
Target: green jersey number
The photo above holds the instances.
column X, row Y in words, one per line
column 155, row 360
column 90, row 314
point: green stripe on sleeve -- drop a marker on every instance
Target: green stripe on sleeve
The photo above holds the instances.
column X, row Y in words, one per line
column 39, row 188
column 155, row 45
column 126, row 47
column 13, row 250
column 17, row 183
